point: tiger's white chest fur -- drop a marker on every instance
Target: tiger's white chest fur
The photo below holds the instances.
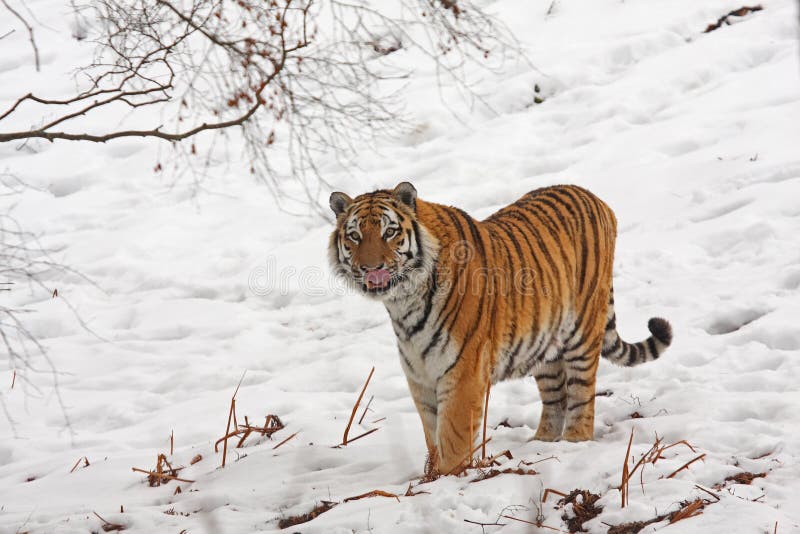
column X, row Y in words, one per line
column 426, row 349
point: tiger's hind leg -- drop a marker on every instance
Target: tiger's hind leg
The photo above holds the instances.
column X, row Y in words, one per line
column 580, row 368
column 551, row 381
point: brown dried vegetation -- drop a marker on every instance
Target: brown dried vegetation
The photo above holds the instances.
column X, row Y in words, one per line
column 583, row 507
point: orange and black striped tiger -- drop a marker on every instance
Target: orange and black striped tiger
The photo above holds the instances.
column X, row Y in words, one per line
column 526, row 291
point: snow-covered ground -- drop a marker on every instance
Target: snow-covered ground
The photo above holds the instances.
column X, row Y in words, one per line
column 692, row 138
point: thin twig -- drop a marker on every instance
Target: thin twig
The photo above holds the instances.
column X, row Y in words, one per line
column 485, row 414
column 361, row 419
column 287, row 439
column 495, row 524
column 532, row 523
column 30, row 32
column 374, row 493
column 355, row 407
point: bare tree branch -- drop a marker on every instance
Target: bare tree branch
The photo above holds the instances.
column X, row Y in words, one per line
column 23, row 261
column 30, row 32
column 316, row 79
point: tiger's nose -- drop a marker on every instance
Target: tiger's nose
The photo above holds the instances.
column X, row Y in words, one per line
column 366, row 268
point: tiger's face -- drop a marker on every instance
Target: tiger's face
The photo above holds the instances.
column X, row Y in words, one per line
column 378, row 245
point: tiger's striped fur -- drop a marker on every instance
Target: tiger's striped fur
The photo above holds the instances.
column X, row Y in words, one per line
column 526, row 291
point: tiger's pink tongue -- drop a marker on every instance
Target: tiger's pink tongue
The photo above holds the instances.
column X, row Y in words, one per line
column 378, row 278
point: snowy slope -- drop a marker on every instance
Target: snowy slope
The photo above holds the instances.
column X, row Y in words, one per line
column 692, row 138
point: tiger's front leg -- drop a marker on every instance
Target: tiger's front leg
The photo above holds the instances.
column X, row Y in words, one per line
column 460, row 402
column 425, row 401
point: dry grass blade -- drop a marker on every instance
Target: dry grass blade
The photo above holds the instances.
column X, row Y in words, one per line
column 272, row 424
column 653, row 454
column 109, row 526
column 367, row 433
column 245, row 435
column 688, row 510
column 355, row 407
column 196, row 459
column 85, row 463
column 714, row 495
column 160, row 476
column 231, row 411
column 548, row 491
column 373, row 493
column 681, row 442
column 687, row 464
column 410, row 493
column 466, row 463
column 623, row 486
column 284, row 441
column 493, row 459
column 231, row 415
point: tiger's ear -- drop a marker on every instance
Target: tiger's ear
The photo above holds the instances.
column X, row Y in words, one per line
column 407, row 194
column 339, row 202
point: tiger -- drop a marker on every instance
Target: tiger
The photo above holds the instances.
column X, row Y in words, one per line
column 526, row 291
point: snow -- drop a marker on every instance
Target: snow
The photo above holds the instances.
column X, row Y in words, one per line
column 691, row 138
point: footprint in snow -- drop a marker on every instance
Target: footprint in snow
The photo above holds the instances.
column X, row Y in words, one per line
column 730, row 321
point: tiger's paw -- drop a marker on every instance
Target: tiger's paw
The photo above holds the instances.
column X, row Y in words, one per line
column 549, row 428
column 578, row 434
column 546, row 435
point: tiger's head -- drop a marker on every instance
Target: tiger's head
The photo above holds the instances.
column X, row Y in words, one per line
column 379, row 247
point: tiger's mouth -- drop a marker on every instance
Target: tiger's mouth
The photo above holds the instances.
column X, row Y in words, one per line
column 378, row 281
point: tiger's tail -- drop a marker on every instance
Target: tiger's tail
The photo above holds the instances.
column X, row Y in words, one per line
column 620, row 352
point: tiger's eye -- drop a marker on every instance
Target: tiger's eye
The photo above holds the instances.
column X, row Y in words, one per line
column 353, row 236
column 390, row 233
